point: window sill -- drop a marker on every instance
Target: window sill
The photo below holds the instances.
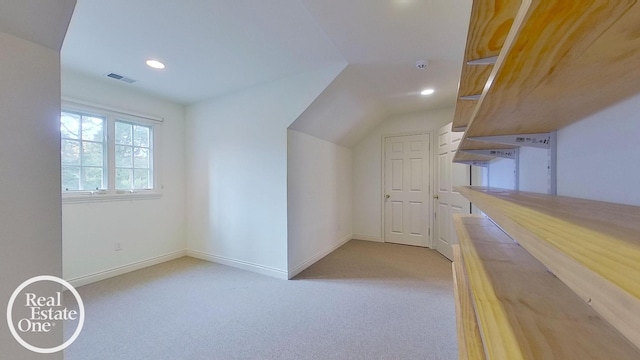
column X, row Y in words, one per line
column 89, row 197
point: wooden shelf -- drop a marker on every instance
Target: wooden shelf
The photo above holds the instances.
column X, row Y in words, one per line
column 560, row 62
column 490, row 23
column 523, row 311
column 469, row 341
column 592, row 246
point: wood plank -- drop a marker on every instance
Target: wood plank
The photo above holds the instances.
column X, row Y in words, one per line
column 488, row 28
column 463, row 113
column 592, row 246
column 470, row 345
column 489, row 25
column 523, row 311
column 567, row 59
column 473, row 79
column 477, row 145
column 472, row 82
column 463, row 156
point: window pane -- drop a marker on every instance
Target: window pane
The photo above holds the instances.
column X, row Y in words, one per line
column 123, row 178
column 124, row 156
column 70, row 152
column 141, row 136
column 123, row 133
column 92, row 128
column 92, row 178
column 141, row 158
column 70, row 178
column 141, row 179
column 70, row 125
column 92, row 154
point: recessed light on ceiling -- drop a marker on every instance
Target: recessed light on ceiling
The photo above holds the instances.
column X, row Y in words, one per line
column 155, row 64
column 426, row 92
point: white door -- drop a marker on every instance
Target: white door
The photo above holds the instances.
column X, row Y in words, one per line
column 448, row 201
column 406, row 184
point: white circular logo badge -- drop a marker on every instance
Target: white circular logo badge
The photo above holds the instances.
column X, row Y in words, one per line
column 45, row 312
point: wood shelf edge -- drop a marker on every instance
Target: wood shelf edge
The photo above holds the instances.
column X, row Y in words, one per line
column 470, row 342
column 607, row 290
column 524, row 312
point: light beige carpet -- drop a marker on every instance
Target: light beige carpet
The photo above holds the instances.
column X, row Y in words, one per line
column 364, row 301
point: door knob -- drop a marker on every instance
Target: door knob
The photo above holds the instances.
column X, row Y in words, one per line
column 387, row 196
column 436, row 197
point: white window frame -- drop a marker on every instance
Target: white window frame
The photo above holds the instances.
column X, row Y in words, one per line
column 112, row 115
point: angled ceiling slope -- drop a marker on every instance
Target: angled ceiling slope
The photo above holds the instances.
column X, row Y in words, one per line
column 42, row 22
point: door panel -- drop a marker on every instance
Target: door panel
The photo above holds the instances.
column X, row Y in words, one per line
column 406, row 205
column 449, row 201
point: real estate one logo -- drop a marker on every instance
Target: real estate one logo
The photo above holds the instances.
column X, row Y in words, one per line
column 37, row 310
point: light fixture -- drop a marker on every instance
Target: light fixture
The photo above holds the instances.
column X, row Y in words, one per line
column 426, row 92
column 155, row 64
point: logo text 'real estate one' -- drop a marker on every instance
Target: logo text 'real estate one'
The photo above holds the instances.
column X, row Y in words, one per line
column 37, row 308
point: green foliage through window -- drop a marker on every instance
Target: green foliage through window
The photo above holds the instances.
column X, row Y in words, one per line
column 89, row 141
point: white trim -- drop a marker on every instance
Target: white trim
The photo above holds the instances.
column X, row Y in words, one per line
column 92, row 107
column 240, row 264
column 120, row 270
column 368, row 238
column 111, row 117
column 313, row 259
column 98, row 196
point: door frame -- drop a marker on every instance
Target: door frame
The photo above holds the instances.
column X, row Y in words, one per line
column 428, row 201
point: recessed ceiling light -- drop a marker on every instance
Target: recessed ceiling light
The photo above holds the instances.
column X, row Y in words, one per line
column 427, row 92
column 155, row 64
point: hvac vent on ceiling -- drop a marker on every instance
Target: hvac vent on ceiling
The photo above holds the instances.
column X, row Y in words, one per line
column 120, row 77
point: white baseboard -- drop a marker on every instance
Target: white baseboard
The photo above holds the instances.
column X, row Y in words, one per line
column 102, row 275
column 240, row 264
column 367, row 238
column 310, row 261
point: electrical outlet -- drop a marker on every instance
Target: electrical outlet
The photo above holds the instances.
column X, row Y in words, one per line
column 118, row 246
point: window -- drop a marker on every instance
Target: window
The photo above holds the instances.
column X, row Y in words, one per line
column 133, row 156
column 107, row 152
column 83, row 152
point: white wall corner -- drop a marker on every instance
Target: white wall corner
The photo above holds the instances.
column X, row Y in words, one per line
column 368, row 238
column 315, row 258
column 239, row 264
column 120, row 270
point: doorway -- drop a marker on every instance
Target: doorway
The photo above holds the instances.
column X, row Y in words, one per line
column 407, row 179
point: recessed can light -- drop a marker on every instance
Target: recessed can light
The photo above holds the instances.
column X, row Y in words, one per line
column 155, row 64
column 427, row 92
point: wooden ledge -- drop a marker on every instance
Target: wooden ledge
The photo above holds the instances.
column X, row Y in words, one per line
column 469, row 341
column 561, row 62
column 525, row 312
column 592, row 246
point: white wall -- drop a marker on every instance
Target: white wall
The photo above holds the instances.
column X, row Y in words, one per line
column 502, row 173
column 534, row 170
column 597, row 158
column 367, row 168
column 319, row 199
column 237, row 172
column 149, row 230
column 30, row 229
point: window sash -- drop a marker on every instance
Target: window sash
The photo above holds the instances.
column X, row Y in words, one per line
column 144, row 173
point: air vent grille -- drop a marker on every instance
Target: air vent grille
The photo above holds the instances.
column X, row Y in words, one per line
column 120, row 77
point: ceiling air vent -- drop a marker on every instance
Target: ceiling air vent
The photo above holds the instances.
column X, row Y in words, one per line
column 120, row 77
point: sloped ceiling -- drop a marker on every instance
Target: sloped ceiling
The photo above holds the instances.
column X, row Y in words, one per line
column 216, row 47
column 343, row 113
column 42, row 22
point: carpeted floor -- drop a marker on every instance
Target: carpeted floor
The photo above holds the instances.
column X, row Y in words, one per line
column 364, row 301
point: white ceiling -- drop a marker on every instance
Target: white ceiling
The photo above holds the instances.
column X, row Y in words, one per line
column 42, row 22
column 216, row 47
